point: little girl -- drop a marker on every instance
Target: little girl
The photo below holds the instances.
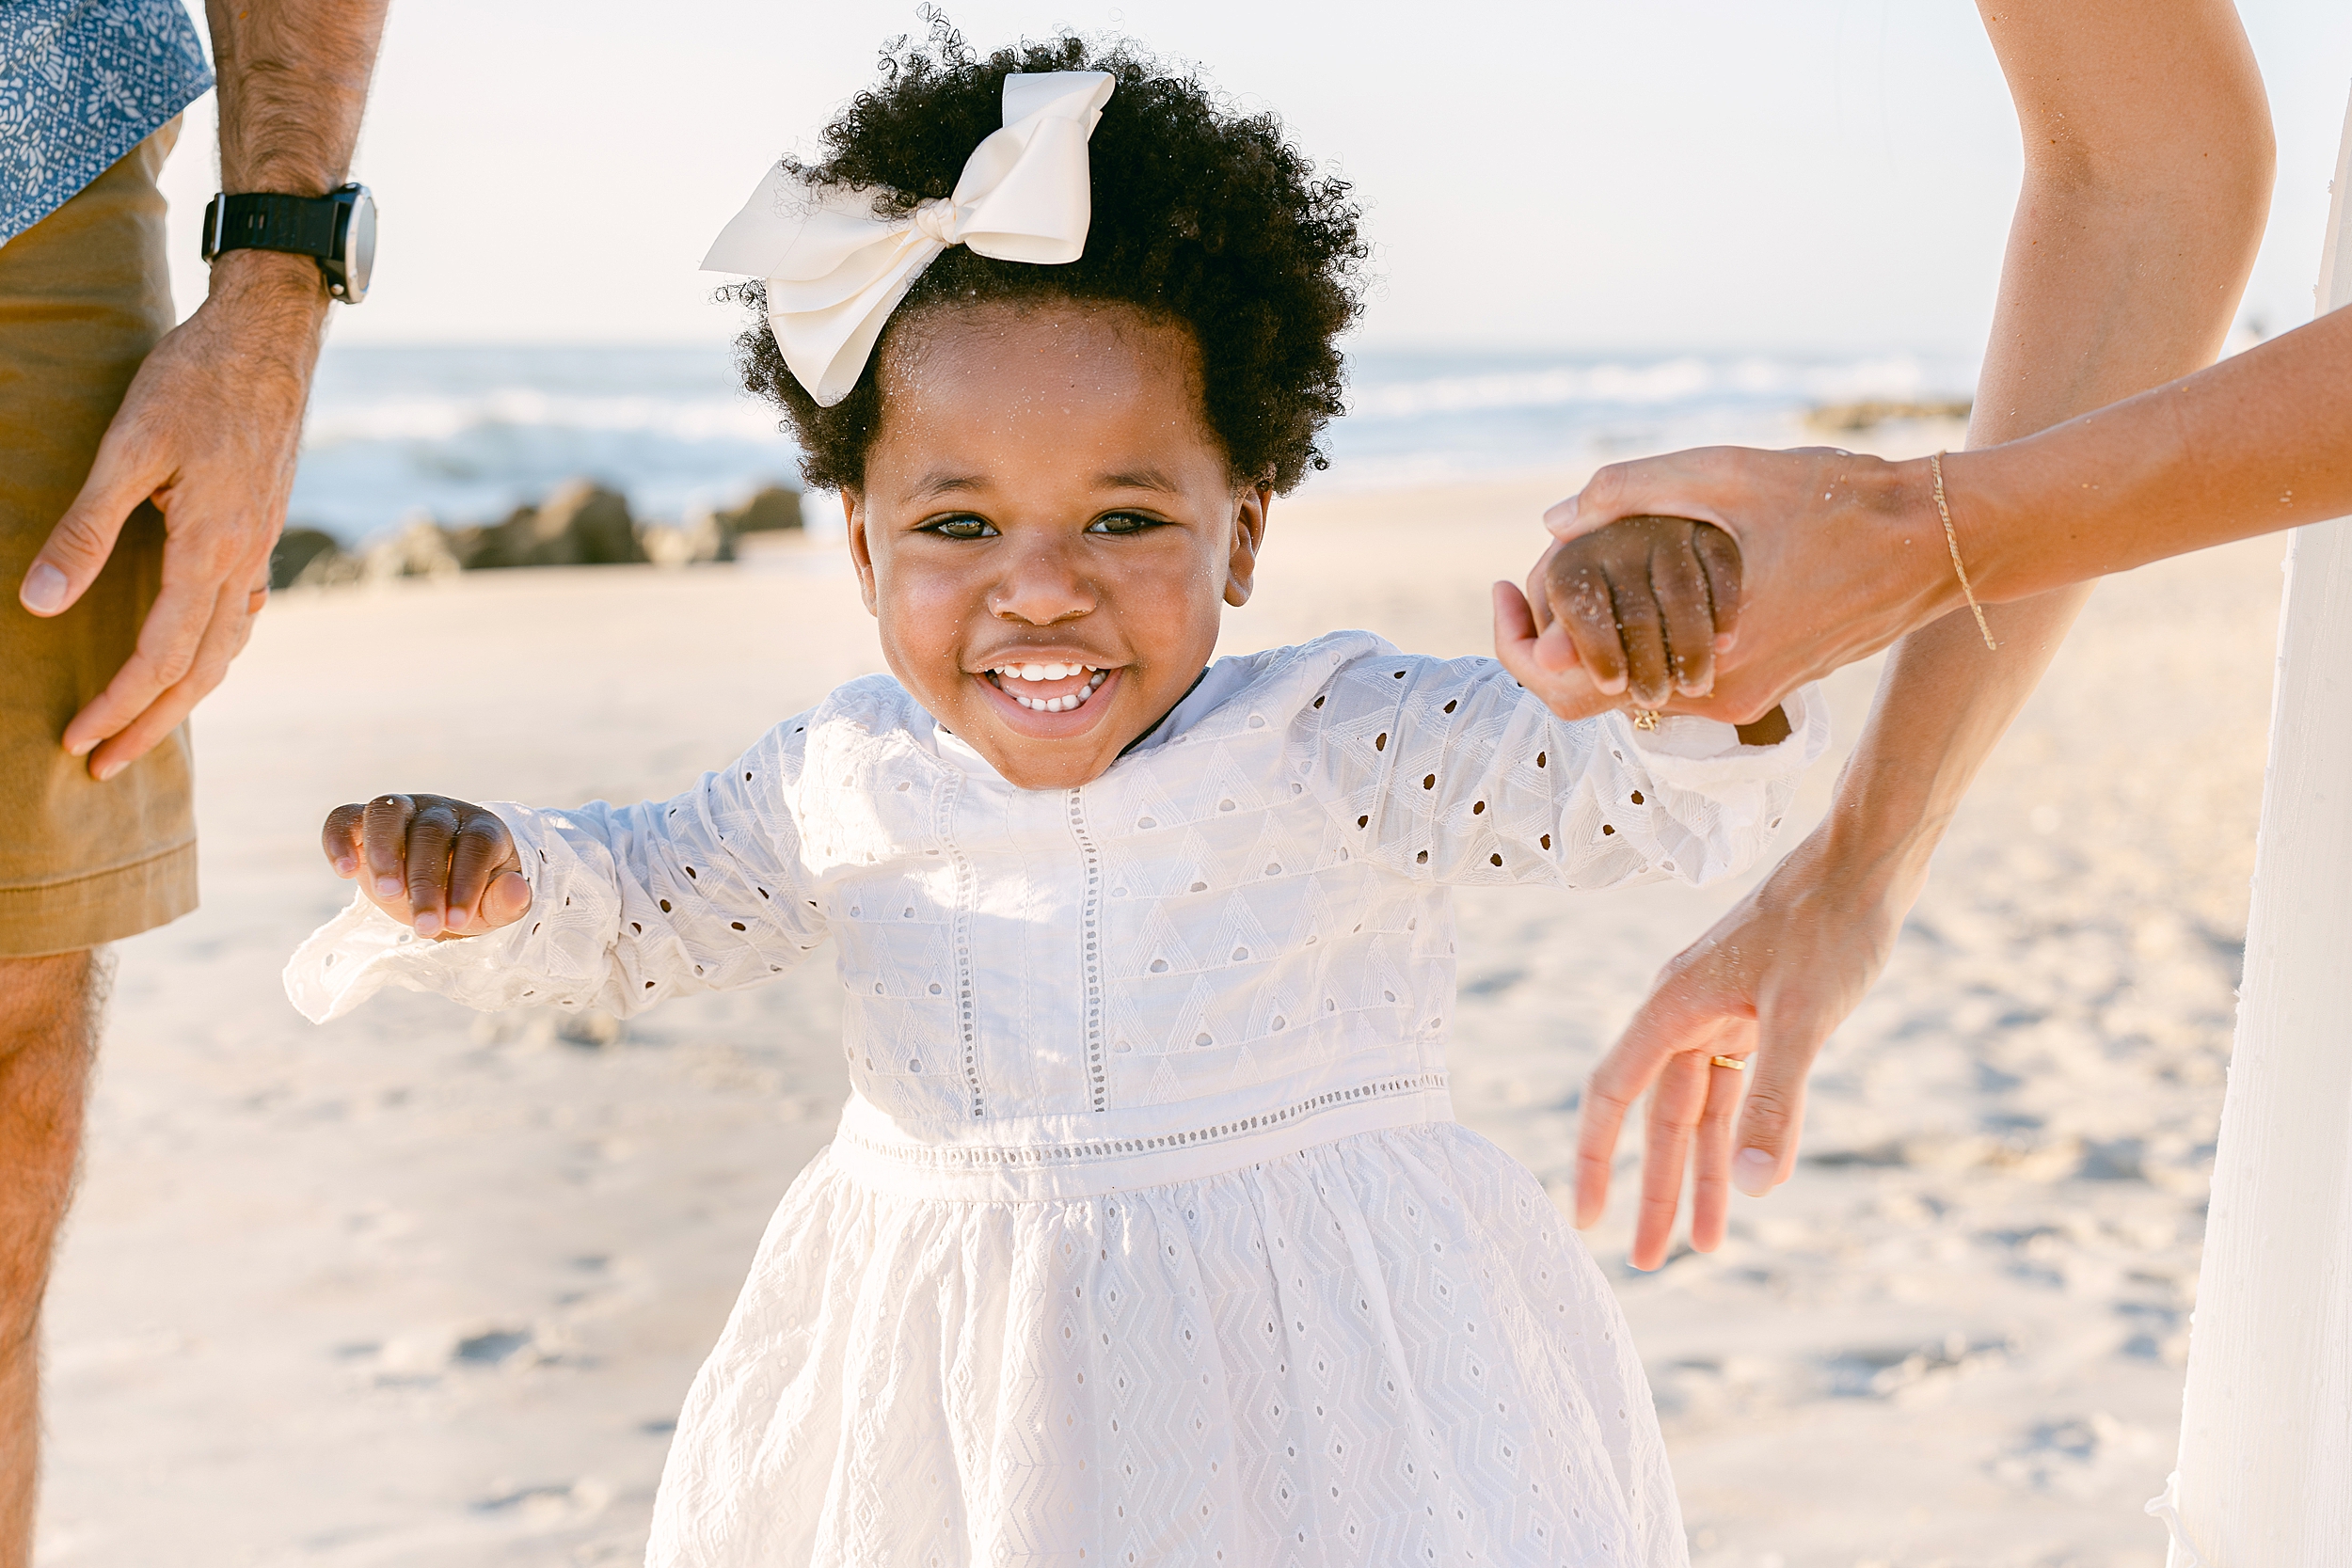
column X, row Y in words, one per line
column 1148, row 1236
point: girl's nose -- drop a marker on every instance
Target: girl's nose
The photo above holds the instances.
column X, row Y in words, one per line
column 1042, row 585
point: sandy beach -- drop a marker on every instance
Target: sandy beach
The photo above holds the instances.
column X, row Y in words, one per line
column 427, row 1287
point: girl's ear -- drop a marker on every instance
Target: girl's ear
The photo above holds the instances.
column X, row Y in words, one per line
column 1241, row 569
column 861, row 551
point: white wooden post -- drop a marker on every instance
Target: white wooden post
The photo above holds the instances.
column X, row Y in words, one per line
column 2266, row 1464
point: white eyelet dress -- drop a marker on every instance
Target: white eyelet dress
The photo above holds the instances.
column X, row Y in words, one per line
column 1148, row 1236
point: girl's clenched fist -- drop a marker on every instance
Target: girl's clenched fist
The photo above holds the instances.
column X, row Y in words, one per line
column 446, row 867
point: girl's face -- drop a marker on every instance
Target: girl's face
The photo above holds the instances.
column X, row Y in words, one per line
column 1044, row 499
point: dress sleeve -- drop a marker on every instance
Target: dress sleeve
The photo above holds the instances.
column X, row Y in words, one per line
column 629, row 905
column 1448, row 770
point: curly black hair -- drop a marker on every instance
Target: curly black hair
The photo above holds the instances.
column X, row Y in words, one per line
column 1202, row 216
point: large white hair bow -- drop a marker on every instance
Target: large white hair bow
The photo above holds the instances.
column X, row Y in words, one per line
column 834, row 270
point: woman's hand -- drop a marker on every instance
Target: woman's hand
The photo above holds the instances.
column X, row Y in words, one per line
column 1768, row 984
column 447, row 867
column 1836, row 557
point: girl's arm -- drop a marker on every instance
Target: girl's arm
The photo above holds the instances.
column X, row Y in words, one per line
column 1446, row 771
column 2147, row 181
column 625, row 904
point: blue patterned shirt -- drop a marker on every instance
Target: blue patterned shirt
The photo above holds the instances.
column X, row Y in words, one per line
column 82, row 82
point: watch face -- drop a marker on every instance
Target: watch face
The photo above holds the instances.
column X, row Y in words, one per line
column 360, row 248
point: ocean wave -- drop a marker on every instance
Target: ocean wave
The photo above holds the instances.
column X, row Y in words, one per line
column 427, row 418
column 1686, row 380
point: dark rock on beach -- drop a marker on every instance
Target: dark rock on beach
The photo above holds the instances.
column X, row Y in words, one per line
column 701, row 539
column 1851, row 418
column 768, row 510
column 309, row 556
column 420, row 548
column 580, row 523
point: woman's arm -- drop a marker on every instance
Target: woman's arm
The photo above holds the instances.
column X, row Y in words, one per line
column 2148, row 160
column 1842, row 555
column 2251, row 446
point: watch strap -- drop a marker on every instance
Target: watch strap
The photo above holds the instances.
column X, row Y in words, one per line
column 263, row 220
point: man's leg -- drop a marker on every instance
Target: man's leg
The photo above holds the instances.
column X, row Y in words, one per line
column 49, row 1010
column 84, row 295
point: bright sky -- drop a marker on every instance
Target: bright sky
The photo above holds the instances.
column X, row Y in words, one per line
column 1803, row 174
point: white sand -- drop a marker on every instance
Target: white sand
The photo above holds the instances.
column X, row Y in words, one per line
column 421, row 1288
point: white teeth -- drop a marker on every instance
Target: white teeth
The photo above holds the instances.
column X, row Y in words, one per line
column 1063, row 703
column 1033, row 672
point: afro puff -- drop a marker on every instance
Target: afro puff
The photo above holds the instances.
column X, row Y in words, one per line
column 1201, row 217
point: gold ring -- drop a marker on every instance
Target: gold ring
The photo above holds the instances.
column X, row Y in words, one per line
column 1645, row 718
column 1737, row 1064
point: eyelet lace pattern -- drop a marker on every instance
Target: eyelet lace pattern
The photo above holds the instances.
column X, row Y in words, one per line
column 1148, row 1236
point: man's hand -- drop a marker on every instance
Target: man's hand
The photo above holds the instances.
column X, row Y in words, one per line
column 1766, row 984
column 446, row 867
column 208, row 431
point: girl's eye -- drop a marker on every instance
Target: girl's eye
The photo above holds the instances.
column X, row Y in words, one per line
column 962, row 528
column 1122, row 522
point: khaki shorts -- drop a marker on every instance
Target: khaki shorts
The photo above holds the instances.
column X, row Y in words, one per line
column 84, row 295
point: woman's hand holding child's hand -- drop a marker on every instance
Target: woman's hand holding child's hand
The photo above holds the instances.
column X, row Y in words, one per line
column 1638, row 610
column 446, row 867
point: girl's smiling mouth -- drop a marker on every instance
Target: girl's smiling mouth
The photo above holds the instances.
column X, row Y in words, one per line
column 1047, row 686
column 1042, row 696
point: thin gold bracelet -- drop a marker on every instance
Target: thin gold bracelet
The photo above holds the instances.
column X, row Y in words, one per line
column 1951, row 538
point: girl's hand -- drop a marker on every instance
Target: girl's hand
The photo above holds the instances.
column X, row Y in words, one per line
column 1643, row 605
column 1766, row 984
column 1637, row 609
column 446, row 867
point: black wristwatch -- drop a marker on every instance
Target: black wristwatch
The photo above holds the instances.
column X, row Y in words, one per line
column 337, row 228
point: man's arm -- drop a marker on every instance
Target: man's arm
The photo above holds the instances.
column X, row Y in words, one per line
column 209, row 426
column 2148, row 170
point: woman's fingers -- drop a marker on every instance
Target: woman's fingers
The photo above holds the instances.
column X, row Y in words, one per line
column 1676, row 485
column 1719, row 557
column 1789, row 1033
column 1674, row 1106
column 1678, row 1015
column 1711, row 1177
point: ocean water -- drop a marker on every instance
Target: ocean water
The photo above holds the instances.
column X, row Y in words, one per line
column 464, row 433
